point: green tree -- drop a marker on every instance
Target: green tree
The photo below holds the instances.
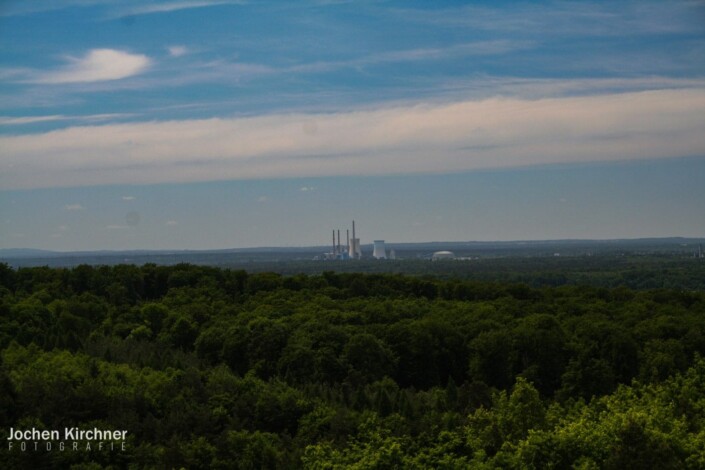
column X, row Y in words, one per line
column 368, row 358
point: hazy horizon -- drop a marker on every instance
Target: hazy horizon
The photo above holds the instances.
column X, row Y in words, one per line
column 127, row 125
column 390, row 244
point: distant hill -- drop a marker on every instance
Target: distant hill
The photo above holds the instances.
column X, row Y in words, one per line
column 18, row 257
column 24, row 253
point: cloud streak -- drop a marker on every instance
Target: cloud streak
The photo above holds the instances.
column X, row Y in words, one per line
column 19, row 121
column 421, row 138
column 134, row 7
column 177, row 51
column 167, row 7
column 569, row 18
column 477, row 48
column 96, row 66
column 24, row 120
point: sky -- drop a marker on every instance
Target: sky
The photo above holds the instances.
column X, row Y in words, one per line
column 206, row 124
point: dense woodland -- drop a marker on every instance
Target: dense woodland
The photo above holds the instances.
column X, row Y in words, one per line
column 219, row 368
column 636, row 271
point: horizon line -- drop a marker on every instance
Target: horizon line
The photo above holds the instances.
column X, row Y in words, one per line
column 4, row 251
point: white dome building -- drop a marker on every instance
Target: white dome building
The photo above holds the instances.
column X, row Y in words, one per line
column 442, row 255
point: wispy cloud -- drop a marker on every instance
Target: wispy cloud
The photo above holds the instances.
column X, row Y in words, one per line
column 74, row 207
column 484, row 86
column 36, row 6
column 220, row 69
column 127, row 7
column 14, row 73
column 128, row 198
column 169, row 6
column 223, row 71
column 96, row 66
column 18, row 121
column 60, row 231
column 177, row 51
column 23, row 120
column 414, row 138
column 477, row 48
column 568, row 18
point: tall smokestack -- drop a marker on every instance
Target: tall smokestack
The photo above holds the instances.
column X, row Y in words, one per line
column 338, row 250
column 347, row 239
column 354, row 245
column 333, row 241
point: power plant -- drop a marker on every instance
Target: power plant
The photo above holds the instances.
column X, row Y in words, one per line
column 351, row 249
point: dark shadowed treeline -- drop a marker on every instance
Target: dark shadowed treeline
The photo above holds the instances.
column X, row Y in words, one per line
column 216, row 368
column 636, row 271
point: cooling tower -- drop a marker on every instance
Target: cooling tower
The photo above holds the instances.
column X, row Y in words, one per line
column 379, row 252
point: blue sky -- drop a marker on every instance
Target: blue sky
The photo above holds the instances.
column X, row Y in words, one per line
column 214, row 124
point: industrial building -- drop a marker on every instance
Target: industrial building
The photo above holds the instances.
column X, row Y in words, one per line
column 351, row 249
column 439, row 255
column 354, row 251
column 379, row 251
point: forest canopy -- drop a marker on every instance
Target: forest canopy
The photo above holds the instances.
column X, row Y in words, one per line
column 218, row 368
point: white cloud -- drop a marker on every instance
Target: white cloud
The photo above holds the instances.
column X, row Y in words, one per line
column 97, row 65
column 418, row 138
column 116, row 227
column 307, row 188
column 177, row 51
column 262, row 199
column 568, row 18
column 175, row 6
column 477, row 48
column 36, row 6
column 128, row 198
column 538, row 88
column 127, row 7
column 171, row 223
column 74, row 207
column 17, row 121
column 23, row 120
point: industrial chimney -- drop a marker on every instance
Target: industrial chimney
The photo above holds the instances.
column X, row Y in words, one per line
column 354, row 251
